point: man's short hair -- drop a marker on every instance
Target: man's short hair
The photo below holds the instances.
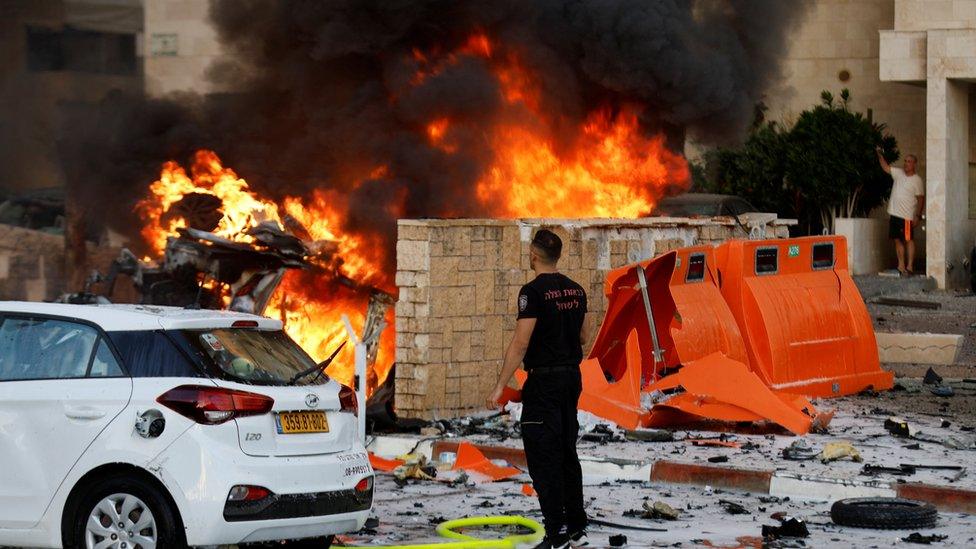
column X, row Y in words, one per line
column 548, row 244
column 912, row 156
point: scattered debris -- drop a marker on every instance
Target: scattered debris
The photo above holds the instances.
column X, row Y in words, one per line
column 790, row 527
column 916, row 537
column 649, row 435
column 733, row 508
column 913, row 303
column 902, row 470
column 660, row 510
column 618, row 540
column 415, row 466
column 883, row 513
column 931, row 378
column 718, row 459
column 626, row 526
column 943, row 391
column 799, row 450
column 838, row 450
column 713, row 442
column 898, row 427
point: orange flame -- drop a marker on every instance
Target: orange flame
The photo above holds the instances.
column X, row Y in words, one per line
column 606, row 167
column 609, row 169
column 310, row 307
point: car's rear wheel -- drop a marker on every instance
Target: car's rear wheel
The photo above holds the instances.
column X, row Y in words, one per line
column 125, row 513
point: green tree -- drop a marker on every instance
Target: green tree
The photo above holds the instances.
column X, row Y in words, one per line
column 832, row 164
column 821, row 168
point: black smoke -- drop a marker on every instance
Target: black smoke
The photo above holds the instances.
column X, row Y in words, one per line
column 316, row 93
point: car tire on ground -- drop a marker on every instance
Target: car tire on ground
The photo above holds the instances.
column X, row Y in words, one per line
column 129, row 508
column 884, row 513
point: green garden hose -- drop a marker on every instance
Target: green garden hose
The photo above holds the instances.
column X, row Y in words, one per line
column 447, row 530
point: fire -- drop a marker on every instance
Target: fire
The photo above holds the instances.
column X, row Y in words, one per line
column 310, row 305
column 610, row 168
column 539, row 166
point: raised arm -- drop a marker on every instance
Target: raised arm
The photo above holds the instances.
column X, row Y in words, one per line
column 881, row 159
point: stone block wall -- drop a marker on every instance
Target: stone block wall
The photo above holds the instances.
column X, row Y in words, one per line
column 458, row 281
column 32, row 266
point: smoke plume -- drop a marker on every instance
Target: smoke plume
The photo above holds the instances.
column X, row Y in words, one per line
column 322, row 93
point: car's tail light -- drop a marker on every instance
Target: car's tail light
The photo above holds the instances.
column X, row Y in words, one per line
column 365, row 485
column 244, row 492
column 244, row 324
column 214, row 405
column 348, row 400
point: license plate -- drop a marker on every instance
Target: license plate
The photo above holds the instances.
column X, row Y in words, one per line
column 289, row 423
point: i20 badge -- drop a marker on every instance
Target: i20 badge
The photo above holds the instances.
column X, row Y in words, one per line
column 312, row 400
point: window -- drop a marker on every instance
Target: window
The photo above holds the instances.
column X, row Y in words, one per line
column 696, row 268
column 104, row 363
column 767, row 261
column 71, row 49
column 823, row 256
column 260, row 357
column 43, row 348
column 152, row 354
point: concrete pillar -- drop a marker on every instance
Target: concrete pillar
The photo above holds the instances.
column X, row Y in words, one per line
column 949, row 231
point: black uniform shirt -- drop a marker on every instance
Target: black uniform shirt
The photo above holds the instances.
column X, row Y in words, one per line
column 559, row 305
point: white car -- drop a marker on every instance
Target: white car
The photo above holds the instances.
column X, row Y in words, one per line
column 134, row 427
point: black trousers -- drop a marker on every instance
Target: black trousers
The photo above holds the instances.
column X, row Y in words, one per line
column 549, row 431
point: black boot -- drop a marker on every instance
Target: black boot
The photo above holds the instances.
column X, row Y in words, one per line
column 560, row 541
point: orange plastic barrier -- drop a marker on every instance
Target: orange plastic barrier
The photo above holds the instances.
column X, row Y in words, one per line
column 383, row 464
column 626, row 313
column 691, row 316
column 703, row 324
column 805, row 326
column 718, row 387
column 471, row 460
column 617, row 401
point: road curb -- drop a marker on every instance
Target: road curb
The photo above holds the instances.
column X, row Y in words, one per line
column 759, row 481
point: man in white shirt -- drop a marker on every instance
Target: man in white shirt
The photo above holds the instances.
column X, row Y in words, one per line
column 905, row 207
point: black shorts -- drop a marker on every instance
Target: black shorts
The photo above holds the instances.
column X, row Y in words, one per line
column 900, row 229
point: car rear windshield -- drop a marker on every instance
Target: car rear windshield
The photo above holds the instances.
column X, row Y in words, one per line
column 259, row 357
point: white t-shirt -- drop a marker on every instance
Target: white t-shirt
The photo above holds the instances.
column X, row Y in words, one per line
column 903, row 194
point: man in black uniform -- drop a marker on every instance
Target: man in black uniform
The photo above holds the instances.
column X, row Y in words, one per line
column 549, row 338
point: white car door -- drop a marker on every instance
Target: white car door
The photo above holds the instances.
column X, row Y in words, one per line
column 60, row 386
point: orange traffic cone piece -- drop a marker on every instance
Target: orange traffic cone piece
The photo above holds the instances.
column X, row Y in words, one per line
column 478, row 467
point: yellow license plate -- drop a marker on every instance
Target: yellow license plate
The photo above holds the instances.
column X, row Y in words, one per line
column 302, row 422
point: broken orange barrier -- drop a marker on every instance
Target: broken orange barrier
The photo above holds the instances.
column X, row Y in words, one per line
column 804, row 323
column 472, row 461
column 717, row 387
column 619, row 401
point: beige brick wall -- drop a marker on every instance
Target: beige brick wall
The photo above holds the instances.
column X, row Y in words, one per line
column 844, row 35
column 458, row 281
column 32, row 266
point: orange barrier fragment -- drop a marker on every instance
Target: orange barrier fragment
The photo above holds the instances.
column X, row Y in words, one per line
column 618, row 402
column 626, row 313
column 804, row 323
column 471, row 460
column 528, row 490
column 718, row 387
column 383, row 464
column 703, row 323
